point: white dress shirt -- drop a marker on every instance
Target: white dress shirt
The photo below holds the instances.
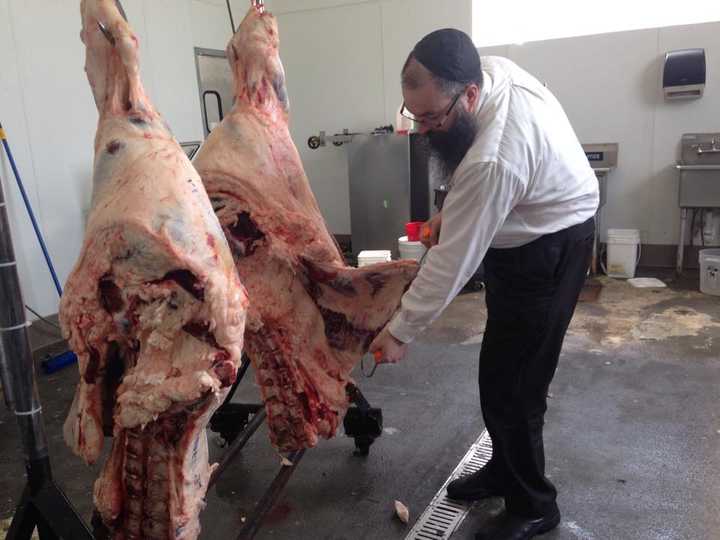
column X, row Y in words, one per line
column 525, row 176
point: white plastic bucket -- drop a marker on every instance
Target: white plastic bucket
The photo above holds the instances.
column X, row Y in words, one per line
column 710, row 271
column 373, row 257
column 623, row 252
column 410, row 250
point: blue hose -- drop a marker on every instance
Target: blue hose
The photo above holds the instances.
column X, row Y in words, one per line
column 3, row 138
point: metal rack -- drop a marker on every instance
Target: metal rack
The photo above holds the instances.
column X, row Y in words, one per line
column 43, row 505
column 238, row 422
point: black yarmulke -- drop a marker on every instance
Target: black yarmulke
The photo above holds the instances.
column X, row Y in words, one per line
column 449, row 54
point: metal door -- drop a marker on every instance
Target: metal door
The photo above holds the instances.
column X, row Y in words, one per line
column 216, row 86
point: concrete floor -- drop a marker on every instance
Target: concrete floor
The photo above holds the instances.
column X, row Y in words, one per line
column 632, row 432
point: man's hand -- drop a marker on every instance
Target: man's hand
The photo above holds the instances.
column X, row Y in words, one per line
column 430, row 231
column 387, row 349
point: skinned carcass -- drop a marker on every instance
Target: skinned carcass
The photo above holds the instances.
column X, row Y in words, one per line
column 311, row 317
column 154, row 308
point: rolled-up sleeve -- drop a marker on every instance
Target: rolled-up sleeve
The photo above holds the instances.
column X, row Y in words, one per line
column 474, row 210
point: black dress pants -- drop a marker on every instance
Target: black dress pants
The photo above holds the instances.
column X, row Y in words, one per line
column 531, row 295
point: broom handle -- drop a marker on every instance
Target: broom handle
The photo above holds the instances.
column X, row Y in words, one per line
column 3, row 138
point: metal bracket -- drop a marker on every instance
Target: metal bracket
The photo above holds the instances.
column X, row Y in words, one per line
column 316, row 141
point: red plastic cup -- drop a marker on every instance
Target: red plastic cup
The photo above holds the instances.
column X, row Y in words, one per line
column 412, row 230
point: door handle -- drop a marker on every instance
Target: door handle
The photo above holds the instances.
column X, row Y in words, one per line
column 218, row 99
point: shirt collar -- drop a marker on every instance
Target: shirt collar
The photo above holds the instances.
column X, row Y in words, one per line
column 485, row 90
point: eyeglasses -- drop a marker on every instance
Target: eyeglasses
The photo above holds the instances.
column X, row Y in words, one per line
column 431, row 118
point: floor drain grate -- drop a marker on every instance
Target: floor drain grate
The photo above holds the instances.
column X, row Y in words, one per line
column 443, row 516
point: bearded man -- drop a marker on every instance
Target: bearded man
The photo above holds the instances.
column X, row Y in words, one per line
column 522, row 199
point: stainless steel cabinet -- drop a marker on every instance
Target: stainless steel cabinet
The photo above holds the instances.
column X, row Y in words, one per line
column 389, row 186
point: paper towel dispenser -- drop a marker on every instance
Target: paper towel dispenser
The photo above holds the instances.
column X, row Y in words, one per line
column 684, row 74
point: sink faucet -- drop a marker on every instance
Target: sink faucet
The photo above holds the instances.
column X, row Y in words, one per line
column 703, row 149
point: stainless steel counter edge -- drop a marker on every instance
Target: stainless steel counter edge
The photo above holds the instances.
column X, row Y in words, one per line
column 698, row 167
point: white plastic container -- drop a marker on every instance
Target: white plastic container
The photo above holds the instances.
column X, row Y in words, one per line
column 410, row 250
column 623, row 252
column 373, row 257
column 710, row 271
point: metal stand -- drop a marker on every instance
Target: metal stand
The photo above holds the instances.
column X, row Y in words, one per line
column 43, row 505
column 232, row 421
column 268, row 500
column 681, row 241
column 596, row 241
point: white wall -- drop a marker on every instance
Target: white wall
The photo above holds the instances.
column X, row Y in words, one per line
column 343, row 59
column 526, row 20
column 211, row 22
column 48, row 113
column 610, row 86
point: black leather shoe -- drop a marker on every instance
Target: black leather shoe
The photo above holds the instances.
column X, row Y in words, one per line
column 476, row 486
column 507, row 526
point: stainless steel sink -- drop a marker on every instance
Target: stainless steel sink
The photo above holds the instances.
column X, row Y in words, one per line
column 699, row 170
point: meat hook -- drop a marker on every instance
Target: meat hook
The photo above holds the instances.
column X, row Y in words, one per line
column 120, row 8
column 108, row 35
column 259, row 5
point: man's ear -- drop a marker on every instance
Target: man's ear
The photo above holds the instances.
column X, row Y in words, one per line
column 472, row 95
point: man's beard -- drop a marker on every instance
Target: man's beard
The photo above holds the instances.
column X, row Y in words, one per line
column 450, row 147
